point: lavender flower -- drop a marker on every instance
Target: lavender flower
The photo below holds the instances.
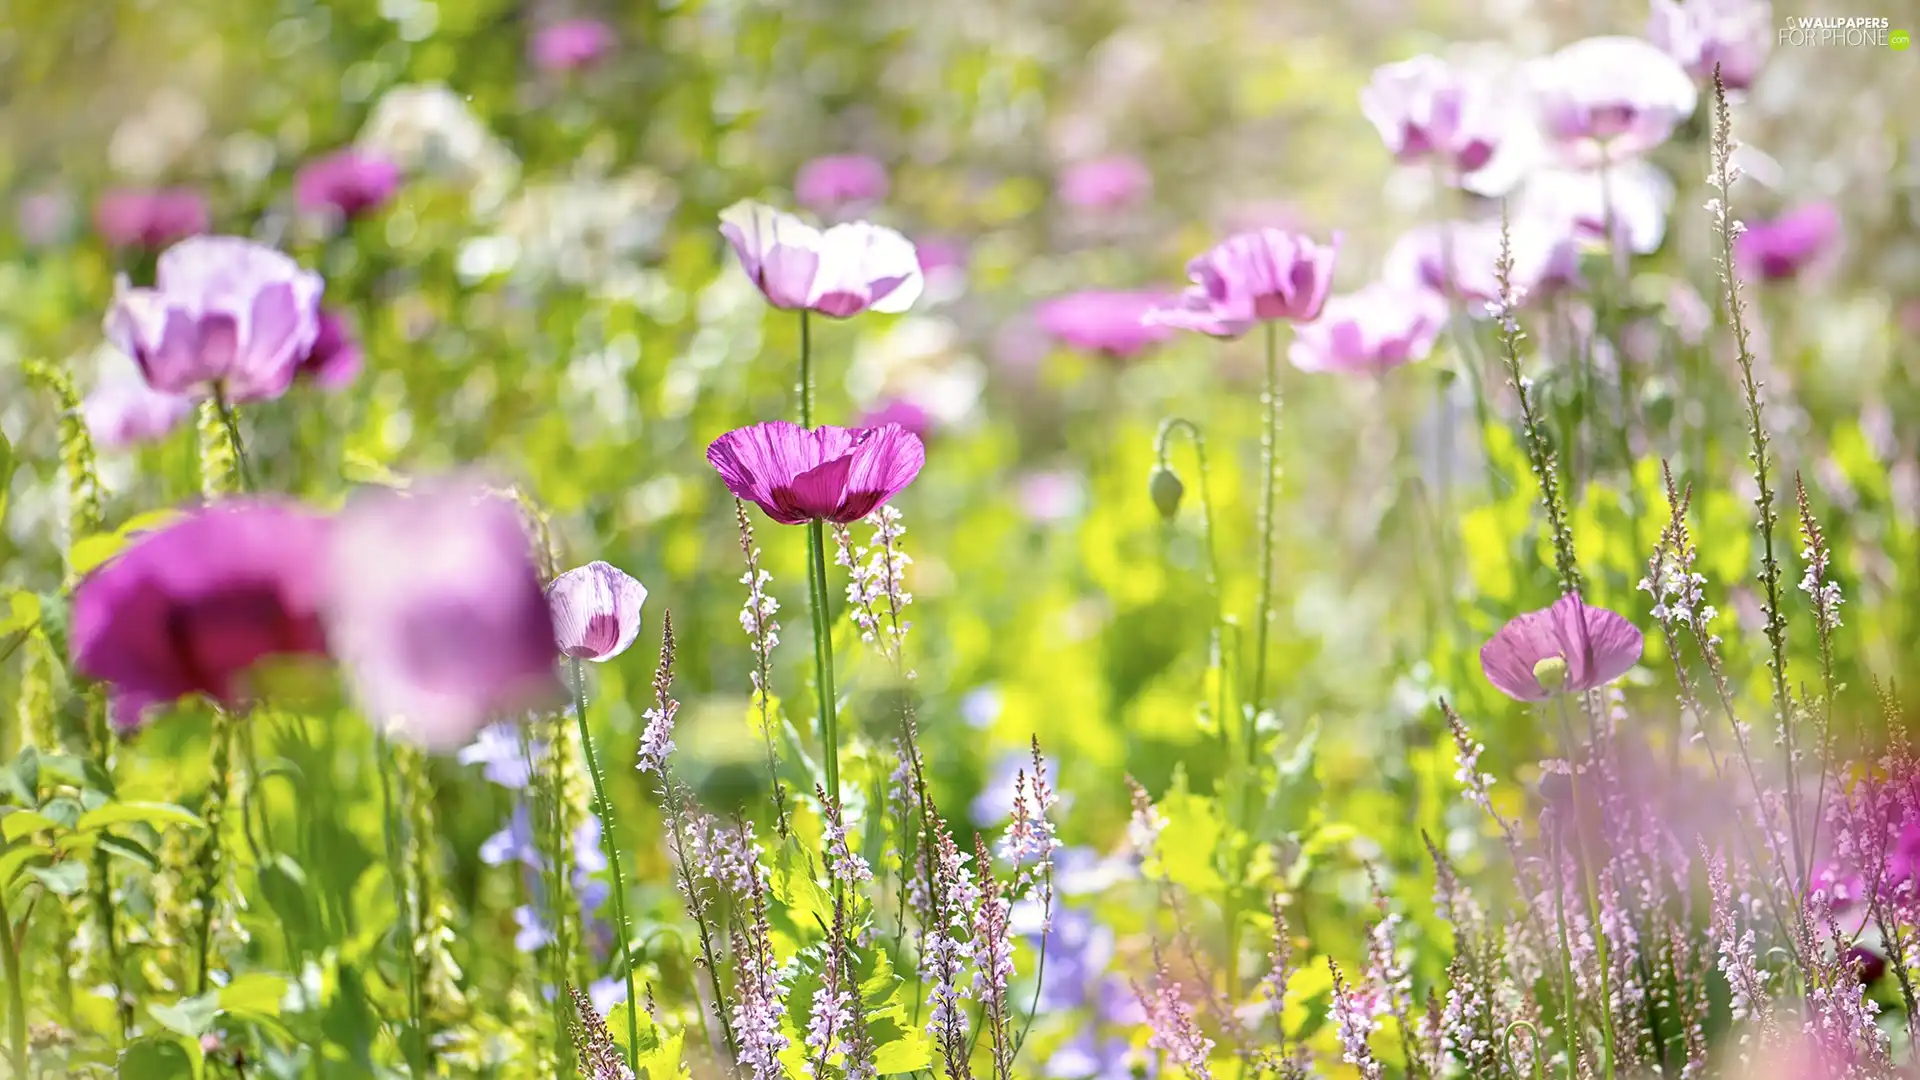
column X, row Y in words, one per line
column 596, row 611
column 498, row 747
column 1175, row 1032
column 1570, row 647
column 839, row 273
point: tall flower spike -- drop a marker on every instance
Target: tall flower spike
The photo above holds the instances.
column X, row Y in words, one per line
column 1570, row 647
column 839, row 273
column 797, row 474
column 437, row 611
column 596, row 611
column 224, row 313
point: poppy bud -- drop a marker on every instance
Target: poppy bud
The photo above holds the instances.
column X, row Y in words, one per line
column 1165, row 489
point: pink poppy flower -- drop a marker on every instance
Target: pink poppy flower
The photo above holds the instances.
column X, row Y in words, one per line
column 1570, row 647
column 1105, row 184
column 1109, row 322
column 1788, row 245
column 596, row 611
column 1253, row 277
column 123, row 411
column 1611, row 99
column 150, row 218
column 828, row 183
column 1734, row 35
column 190, row 607
column 836, row 474
column 1425, row 110
column 839, row 272
column 348, row 182
column 335, row 358
column 1370, row 331
column 572, row 45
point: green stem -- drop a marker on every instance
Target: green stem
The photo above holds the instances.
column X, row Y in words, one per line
column 231, row 421
column 806, row 372
column 1270, row 407
column 1568, row 1000
column 823, row 654
column 16, row 990
column 612, row 846
column 416, row 1049
column 1217, row 647
column 1591, row 890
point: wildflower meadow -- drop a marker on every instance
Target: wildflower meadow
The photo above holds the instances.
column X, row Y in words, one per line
column 1067, row 539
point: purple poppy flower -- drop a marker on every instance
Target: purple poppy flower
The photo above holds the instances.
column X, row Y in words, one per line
column 347, row 182
column 1109, row 322
column 829, row 183
column 839, row 273
column 506, row 762
column 572, row 45
column 335, row 358
column 190, row 607
column 1546, row 259
column 836, row 474
column 1425, row 110
column 596, row 611
column 1370, row 331
column 901, row 412
column 436, row 611
column 1570, row 647
column 1250, row 278
column 150, row 218
column 1781, row 249
column 123, row 411
column 1105, row 184
column 1733, row 35
column 1641, row 196
column 1611, row 99
column 223, row 312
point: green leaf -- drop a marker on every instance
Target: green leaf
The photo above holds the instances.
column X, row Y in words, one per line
column 16, row 856
column 63, row 878
column 23, row 823
column 130, row 849
column 155, row 1058
column 81, row 772
column 21, row 779
column 256, row 992
column 897, row 1048
column 1190, row 839
column 64, row 810
column 192, row 1016
column 284, row 885
column 21, row 612
column 156, row 814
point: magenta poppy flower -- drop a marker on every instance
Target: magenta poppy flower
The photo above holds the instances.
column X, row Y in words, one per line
column 1105, row 184
column 596, row 611
column 834, row 474
column 335, row 358
column 190, row 607
column 1702, row 34
column 1250, row 278
column 1611, row 98
column 1570, row 647
column 123, row 411
column 436, row 611
column 1425, row 110
column 838, row 273
column 828, row 183
column 150, row 218
column 348, row 182
column 223, row 311
column 1370, row 331
column 1109, row 322
column 1783, row 248
column 572, row 45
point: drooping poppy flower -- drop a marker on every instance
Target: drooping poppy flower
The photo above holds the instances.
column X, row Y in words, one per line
column 1569, row 648
column 1788, row 245
column 223, row 312
column 150, row 218
column 1105, row 184
column 834, row 474
column 347, row 182
column 572, row 44
column 436, row 612
column 596, row 611
column 1733, row 35
column 189, row 608
column 1610, row 99
column 1253, row 277
column 1370, row 331
column 1426, row 110
column 1110, row 322
column 839, row 272
column 837, row 180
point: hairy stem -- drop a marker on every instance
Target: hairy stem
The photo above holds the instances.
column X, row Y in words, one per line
column 823, row 655
column 612, row 845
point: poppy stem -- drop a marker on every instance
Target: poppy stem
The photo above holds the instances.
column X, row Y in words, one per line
column 1269, row 433
column 1590, row 889
column 823, row 653
column 415, row 1047
column 230, row 420
column 612, row 846
column 806, row 371
column 16, row 991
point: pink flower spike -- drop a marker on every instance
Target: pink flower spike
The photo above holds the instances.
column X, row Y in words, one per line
column 836, row 474
column 222, row 311
column 1370, row 331
column 1570, row 647
column 437, row 613
column 596, row 611
column 190, row 607
column 829, row 183
column 838, row 273
column 1425, row 110
column 1105, row 184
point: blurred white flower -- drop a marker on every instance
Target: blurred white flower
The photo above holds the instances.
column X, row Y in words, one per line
column 585, row 230
column 919, row 360
column 149, row 143
column 428, row 128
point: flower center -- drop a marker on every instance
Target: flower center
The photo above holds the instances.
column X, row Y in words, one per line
column 1551, row 673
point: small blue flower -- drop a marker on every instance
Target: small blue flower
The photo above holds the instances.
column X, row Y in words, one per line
column 498, row 748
